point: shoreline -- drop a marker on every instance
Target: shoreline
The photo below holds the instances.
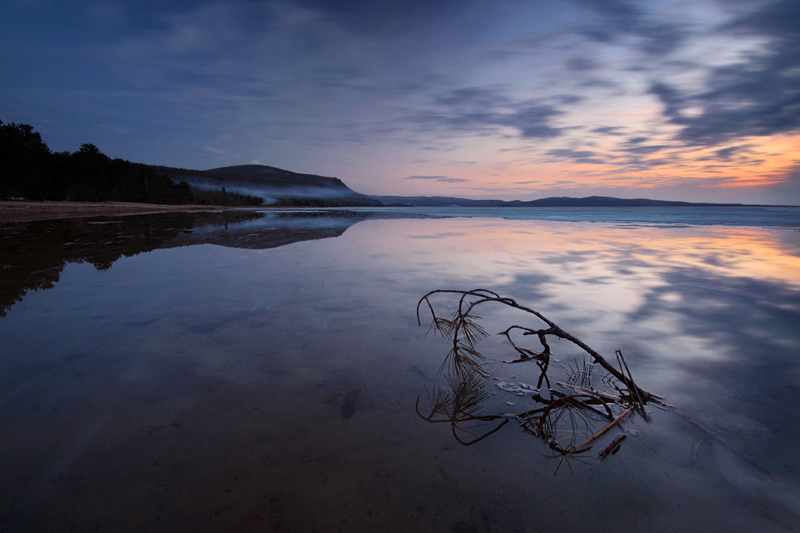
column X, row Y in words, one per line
column 24, row 210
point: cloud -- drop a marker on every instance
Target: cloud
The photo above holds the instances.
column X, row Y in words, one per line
column 473, row 98
column 621, row 18
column 384, row 17
column 533, row 121
column 787, row 190
column 578, row 156
column 608, row 130
column 581, row 64
column 725, row 154
column 440, row 179
column 486, row 110
column 757, row 96
column 643, row 150
column 742, row 154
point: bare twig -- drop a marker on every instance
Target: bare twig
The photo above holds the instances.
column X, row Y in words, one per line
column 606, row 429
column 460, row 407
column 613, row 448
column 482, row 296
column 631, row 385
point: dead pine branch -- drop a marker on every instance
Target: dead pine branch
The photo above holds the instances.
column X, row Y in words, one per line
column 562, row 415
column 463, row 331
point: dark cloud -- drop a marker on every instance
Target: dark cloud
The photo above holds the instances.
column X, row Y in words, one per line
column 607, row 130
column 578, row 156
column 473, row 98
column 725, row 154
column 774, row 18
column 532, row 121
column 362, row 16
column 380, row 15
column 581, row 64
column 756, row 97
column 742, row 154
column 567, row 99
column 673, row 101
column 440, row 179
column 643, row 150
column 563, row 152
column 787, row 190
column 628, row 155
column 127, row 18
column 440, row 21
column 484, row 110
column 599, row 83
column 620, row 18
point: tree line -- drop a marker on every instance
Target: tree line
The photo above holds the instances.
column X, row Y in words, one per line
column 30, row 170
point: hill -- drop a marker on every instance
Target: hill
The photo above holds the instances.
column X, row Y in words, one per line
column 274, row 185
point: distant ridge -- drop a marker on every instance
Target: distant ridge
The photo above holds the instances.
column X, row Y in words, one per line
column 557, row 201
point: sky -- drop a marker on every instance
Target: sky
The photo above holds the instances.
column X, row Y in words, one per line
column 695, row 100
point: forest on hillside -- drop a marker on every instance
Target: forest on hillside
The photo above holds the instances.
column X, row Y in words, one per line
column 30, row 170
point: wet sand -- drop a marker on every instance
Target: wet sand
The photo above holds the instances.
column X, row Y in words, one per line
column 11, row 211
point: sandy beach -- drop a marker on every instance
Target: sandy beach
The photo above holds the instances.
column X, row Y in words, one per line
column 20, row 211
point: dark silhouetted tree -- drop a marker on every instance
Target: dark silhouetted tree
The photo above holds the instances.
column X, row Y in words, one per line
column 88, row 175
column 30, row 170
column 24, row 161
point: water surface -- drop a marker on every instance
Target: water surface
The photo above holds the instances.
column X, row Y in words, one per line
column 191, row 373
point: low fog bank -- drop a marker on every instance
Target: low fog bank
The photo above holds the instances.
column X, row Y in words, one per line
column 276, row 195
column 274, row 186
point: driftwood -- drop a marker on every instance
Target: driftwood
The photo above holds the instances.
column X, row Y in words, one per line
column 461, row 405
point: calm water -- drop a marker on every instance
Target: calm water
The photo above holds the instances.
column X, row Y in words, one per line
column 197, row 373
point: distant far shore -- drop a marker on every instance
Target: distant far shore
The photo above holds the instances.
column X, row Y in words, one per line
column 22, row 211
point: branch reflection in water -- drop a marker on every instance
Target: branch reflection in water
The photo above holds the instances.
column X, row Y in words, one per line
column 565, row 412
